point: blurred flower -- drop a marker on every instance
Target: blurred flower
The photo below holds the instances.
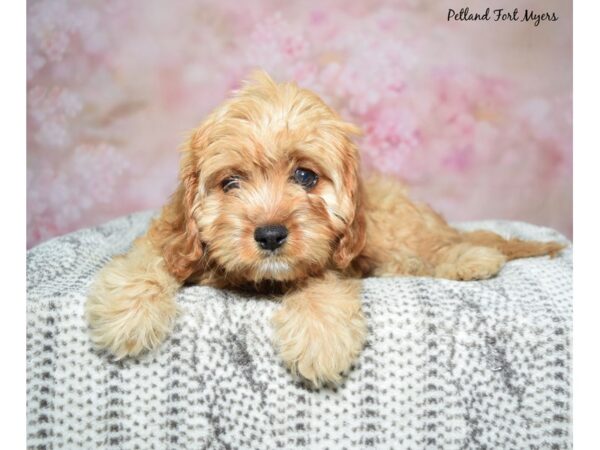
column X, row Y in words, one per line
column 60, row 197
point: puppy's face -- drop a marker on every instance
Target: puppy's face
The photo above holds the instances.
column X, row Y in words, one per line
column 272, row 178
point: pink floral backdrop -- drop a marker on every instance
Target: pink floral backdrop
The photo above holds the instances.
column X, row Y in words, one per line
column 476, row 117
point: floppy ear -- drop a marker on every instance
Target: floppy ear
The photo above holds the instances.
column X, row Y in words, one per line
column 353, row 239
column 175, row 232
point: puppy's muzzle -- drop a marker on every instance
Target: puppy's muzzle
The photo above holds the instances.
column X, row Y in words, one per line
column 270, row 237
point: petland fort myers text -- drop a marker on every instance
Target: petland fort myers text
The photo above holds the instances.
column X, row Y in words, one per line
column 502, row 15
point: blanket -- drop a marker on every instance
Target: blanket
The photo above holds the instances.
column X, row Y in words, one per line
column 447, row 364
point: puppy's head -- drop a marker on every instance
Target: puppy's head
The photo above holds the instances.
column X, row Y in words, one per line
column 269, row 189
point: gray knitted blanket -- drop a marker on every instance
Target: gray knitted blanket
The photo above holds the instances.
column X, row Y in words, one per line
column 448, row 364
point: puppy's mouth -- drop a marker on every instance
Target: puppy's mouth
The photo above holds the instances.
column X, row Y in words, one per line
column 270, row 240
column 274, row 268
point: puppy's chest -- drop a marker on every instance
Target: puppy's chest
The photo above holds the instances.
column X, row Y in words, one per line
column 269, row 288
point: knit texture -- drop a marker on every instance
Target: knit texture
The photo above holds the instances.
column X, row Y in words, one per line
column 447, row 364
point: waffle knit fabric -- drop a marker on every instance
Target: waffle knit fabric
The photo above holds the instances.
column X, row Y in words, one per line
column 447, row 364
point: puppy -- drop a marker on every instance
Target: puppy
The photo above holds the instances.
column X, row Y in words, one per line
column 271, row 198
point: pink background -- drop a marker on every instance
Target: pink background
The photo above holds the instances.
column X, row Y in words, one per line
column 477, row 117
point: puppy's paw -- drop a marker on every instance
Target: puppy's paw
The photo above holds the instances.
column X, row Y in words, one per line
column 320, row 341
column 128, row 312
column 472, row 263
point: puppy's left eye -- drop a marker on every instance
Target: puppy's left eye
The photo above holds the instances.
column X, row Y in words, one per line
column 305, row 178
column 229, row 183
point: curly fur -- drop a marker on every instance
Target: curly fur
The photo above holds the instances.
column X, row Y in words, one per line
column 343, row 229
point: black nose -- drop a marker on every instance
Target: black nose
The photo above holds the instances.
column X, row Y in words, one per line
column 270, row 237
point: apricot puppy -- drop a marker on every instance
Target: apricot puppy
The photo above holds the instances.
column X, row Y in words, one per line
column 271, row 198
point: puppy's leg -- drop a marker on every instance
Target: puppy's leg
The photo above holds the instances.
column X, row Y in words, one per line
column 481, row 254
column 401, row 262
column 131, row 305
column 464, row 261
column 320, row 330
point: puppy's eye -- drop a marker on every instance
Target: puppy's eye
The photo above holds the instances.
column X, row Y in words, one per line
column 229, row 183
column 305, row 178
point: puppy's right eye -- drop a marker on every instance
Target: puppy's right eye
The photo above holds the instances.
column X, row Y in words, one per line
column 230, row 183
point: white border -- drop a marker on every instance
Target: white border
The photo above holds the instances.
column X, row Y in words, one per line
column 586, row 351
column 13, row 230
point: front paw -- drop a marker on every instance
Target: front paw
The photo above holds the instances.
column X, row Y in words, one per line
column 321, row 341
column 128, row 314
